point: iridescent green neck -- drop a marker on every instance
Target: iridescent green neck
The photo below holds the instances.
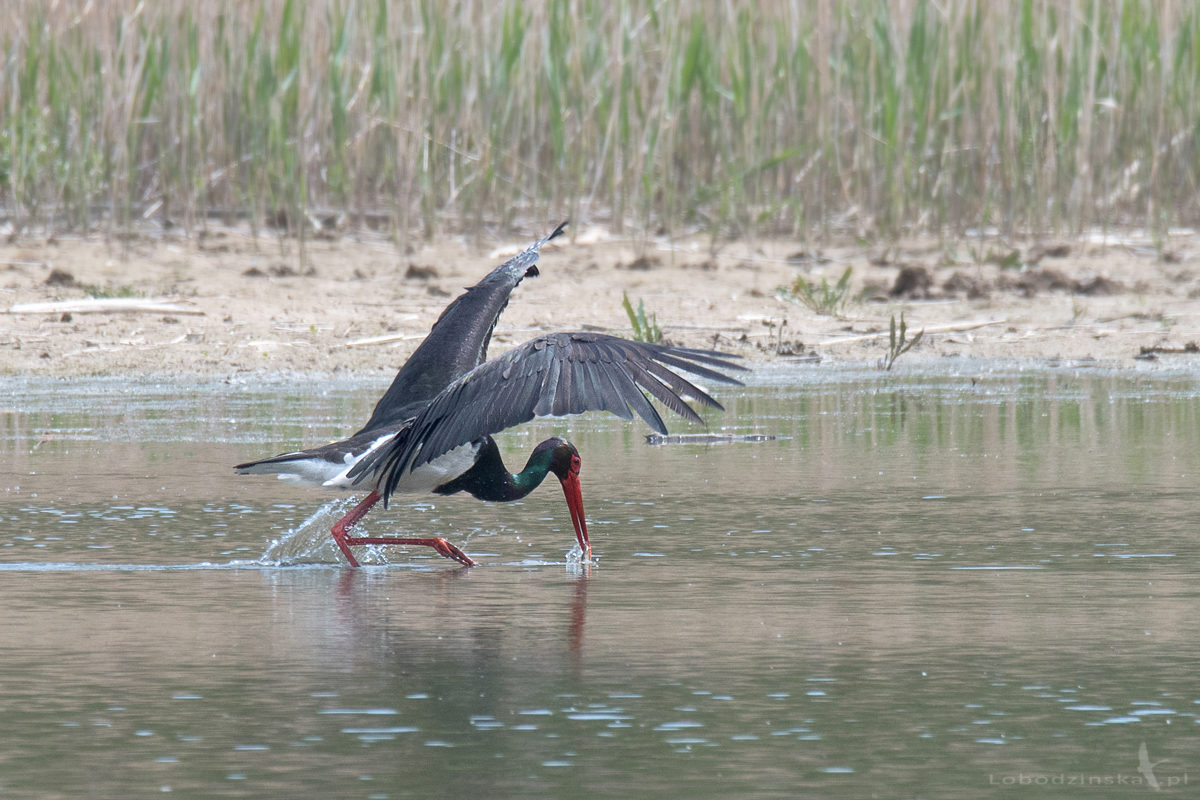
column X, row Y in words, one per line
column 534, row 473
column 490, row 480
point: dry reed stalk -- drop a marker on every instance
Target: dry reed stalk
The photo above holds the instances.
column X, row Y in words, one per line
column 869, row 118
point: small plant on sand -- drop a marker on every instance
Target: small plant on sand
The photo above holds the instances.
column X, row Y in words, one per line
column 898, row 342
column 822, row 298
column 109, row 291
column 644, row 329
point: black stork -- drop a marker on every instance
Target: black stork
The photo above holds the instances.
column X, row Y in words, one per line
column 431, row 430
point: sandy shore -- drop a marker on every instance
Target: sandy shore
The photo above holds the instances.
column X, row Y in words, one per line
column 238, row 304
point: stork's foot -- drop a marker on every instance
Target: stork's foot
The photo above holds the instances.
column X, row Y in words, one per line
column 443, row 547
column 344, row 542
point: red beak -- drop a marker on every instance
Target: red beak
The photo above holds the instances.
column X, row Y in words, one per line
column 574, row 497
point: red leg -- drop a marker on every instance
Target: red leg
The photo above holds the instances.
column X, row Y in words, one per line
column 436, row 542
column 359, row 511
column 349, row 521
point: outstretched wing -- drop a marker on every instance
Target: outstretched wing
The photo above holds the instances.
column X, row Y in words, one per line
column 554, row 375
column 458, row 341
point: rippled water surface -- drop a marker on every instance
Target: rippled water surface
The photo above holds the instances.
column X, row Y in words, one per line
column 972, row 583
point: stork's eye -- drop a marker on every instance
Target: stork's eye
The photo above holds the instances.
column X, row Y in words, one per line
column 575, row 464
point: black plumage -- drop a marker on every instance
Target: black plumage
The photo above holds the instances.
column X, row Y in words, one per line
column 458, row 341
column 553, row 375
column 446, row 402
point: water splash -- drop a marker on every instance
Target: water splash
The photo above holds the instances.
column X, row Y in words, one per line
column 309, row 541
column 577, row 562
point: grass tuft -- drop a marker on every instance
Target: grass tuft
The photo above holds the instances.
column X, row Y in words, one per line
column 645, row 329
column 821, row 298
column 109, row 291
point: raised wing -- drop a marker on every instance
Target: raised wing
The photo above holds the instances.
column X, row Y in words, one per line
column 554, row 375
column 458, row 341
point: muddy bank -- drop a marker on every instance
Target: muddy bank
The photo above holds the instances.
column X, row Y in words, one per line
column 235, row 304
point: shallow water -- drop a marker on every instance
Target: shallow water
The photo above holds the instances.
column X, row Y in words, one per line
column 979, row 582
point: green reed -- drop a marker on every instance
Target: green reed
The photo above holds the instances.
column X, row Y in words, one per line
column 645, row 327
column 898, row 342
column 802, row 119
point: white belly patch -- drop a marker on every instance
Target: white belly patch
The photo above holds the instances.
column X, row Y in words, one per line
column 424, row 478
